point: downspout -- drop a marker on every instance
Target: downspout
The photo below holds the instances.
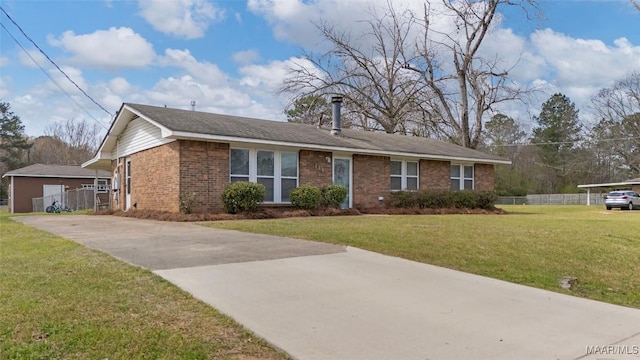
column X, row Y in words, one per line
column 95, row 191
column 11, row 196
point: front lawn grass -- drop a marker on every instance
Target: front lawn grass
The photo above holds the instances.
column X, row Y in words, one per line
column 61, row 300
column 531, row 245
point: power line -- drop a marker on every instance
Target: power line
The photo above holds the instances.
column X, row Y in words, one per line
column 51, row 61
column 566, row 142
column 51, row 78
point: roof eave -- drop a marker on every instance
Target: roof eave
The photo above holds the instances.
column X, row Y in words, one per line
column 584, row 186
column 111, row 138
column 178, row 135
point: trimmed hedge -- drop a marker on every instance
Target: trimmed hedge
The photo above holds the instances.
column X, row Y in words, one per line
column 311, row 197
column 306, row 197
column 242, row 196
column 442, row 199
column 333, row 196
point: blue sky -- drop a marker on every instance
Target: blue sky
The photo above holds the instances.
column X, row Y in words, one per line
column 230, row 56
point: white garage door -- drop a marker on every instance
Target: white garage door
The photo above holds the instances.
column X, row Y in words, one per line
column 51, row 193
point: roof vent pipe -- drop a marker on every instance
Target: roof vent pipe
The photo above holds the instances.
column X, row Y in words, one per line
column 336, row 127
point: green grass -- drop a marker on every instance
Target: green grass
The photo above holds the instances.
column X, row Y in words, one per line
column 60, row 300
column 532, row 245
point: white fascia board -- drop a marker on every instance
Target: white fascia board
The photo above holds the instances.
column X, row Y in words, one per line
column 59, row 176
column 609, row 184
column 197, row 136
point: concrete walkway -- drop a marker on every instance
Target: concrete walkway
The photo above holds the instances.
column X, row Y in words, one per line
column 318, row 301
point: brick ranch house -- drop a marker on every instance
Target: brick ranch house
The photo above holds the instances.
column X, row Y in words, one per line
column 155, row 154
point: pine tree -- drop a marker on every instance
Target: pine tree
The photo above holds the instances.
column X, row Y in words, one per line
column 13, row 142
column 558, row 135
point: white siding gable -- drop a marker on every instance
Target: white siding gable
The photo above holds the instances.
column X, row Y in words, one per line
column 137, row 136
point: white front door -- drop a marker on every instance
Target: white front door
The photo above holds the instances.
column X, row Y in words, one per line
column 342, row 176
column 127, row 183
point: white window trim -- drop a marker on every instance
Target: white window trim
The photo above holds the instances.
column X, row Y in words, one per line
column 461, row 179
column 404, row 175
column 277, row 171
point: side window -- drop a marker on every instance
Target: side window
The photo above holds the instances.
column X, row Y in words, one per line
column 462, row 177
column 239, row 165
column 266, row 173
column 404, row 175
column 396, row 175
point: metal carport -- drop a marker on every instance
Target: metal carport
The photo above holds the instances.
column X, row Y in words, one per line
column 634, row 184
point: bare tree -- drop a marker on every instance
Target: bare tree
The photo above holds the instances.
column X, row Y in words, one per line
column 378, row 92
column 416, row 78
column 636, row 3
column 68, row 143
column 464, row 84
column 619, row 110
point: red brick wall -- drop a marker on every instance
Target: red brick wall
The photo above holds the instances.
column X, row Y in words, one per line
column 371, row 179
column 314, row 168
column 435, row 175
column 484, row 177
column 204, row 170
column 155, row 180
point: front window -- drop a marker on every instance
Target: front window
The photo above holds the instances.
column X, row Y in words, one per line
column 276, row 170
column 239, row 165
column 404, row 175
column 461, row 177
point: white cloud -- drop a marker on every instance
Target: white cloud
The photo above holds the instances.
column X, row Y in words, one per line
column 265, row 80
column 119, row 85
column 580, row 67
column 4, row 86
column 179, row 92
column 575, row 62
column 246, row 56
column 4, row 61
column 107, row 49
column 202, row 71
column 188, row 19
column 267, row 77
column 27, row 59
column 74, row 74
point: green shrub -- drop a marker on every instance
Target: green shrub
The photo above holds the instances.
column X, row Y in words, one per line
column 186, row 201
column 306, row 197
column 434, row 199
column 486, row 199
column 333, row 195
column 242, row 196
column 403, row 199
column 464, row 199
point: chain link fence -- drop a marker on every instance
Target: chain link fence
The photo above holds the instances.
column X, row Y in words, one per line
column 552, row 199
column 74, row 200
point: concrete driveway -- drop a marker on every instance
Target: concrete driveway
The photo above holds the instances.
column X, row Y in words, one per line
column 319, row 301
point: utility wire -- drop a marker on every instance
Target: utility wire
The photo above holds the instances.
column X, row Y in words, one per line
column 51, row 78
column 566, row 142
column 51, row 61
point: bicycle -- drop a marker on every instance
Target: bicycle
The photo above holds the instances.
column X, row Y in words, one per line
column 55, row 207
